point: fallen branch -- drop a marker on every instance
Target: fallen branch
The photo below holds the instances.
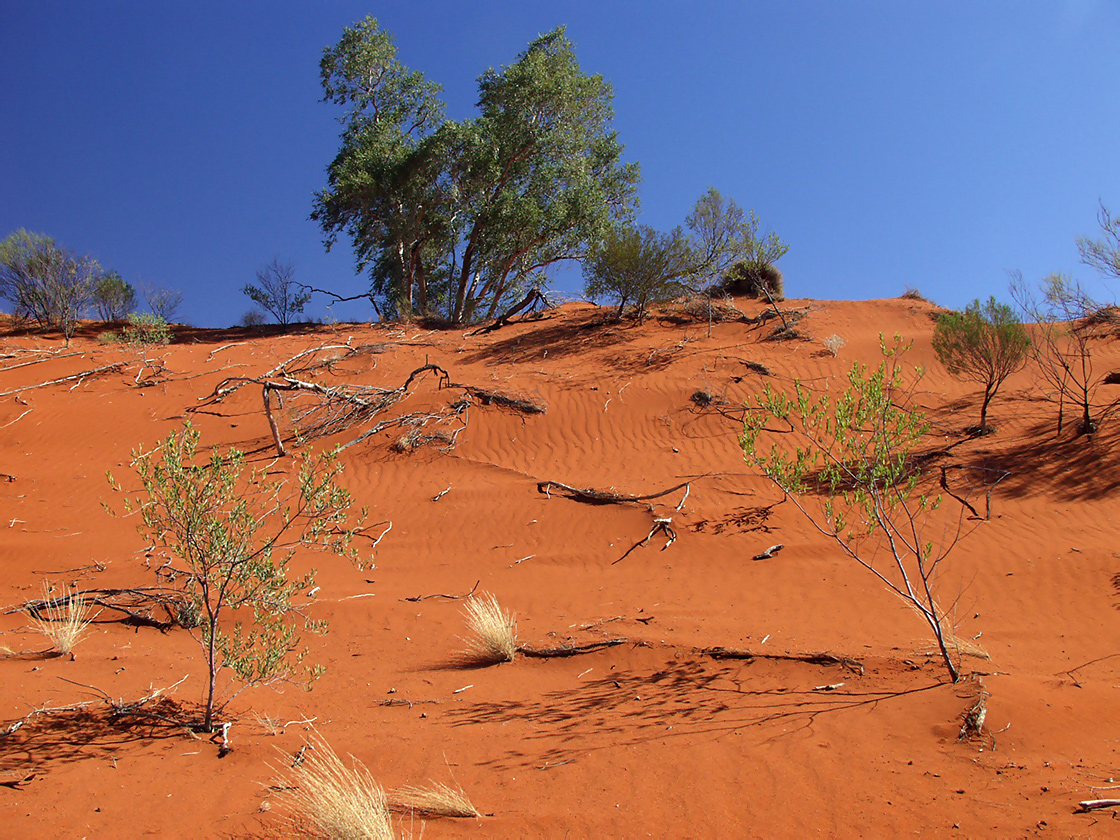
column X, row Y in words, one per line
column 487, row 397
column 810, row 658
column 79, row 376
column 568, row 650
column 448, row 597
column 1086, row 805
column 601, row 497
column 662, row 524
column 135, row 604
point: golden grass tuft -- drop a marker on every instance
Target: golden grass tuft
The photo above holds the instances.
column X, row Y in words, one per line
column 63, row 620
column 953, row 642
column 435, row 800
column 327, row 799
column 494, row 631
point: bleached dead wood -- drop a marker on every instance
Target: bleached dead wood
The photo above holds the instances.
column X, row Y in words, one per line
column 78, row 376
column 1086, row 805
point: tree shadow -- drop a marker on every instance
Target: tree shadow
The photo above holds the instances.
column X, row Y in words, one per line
column 1071, row 468
column 576, row 334
column 76, row 734
column 685, row 698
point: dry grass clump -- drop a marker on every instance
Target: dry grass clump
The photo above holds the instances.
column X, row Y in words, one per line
column 330, row 800
column 913, row 294
column 494, row 631
column 833, row 344
column 435, row 800
column 63, row 619
column 955, row 644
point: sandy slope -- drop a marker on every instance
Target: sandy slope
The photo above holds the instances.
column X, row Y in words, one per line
column 647, row 739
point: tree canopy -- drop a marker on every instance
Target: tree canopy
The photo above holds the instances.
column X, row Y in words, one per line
column 455, row 218
column 986, row 344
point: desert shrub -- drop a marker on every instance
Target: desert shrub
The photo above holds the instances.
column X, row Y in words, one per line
column 45, row 281
column 833, row 344
column 277, row 292
column 253, row 318
column 145, row 330
column 63, row 619
column 754, row 278
column 913, row 294
column 986, row 344
column 113, row 297
column 854, row 453
column 637, row 266
column 235, row 536
column 1069, row 330
column 493, row 631
column 163, row 303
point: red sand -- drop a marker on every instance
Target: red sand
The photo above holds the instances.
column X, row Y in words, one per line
column 647, row 739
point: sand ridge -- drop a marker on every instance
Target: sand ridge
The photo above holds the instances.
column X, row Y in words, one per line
column 650, row 738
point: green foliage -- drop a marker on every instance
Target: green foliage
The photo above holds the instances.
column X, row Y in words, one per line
column 235, row 536
column 854, row 451
column 146, row 330
column 113, row 297
column 986, row 343
column 277, row 292
column 639, row 266
column 722, row 236
column 45, row 281
column 460, row 217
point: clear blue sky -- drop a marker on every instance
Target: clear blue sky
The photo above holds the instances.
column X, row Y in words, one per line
column 891, row 144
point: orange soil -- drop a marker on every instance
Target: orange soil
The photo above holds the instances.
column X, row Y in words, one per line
column 647, row 739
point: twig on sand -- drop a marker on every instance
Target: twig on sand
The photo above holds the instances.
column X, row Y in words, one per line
column 568, row 650
column 79, row 376
column 810, row 658
column 448, row 597
column 602, row 497
column 662, row 524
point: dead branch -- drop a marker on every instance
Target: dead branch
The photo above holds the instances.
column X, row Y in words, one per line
column 79, row 376
column 662, row 524
column 448, row 597
column 810, row 658
column 600, row 497
column 770, row 552
column 397, row 701
column 135, row 604
column 1086, row 805
column 280, row 451
column 38, row 361
column 487, row 397
column 568, row 650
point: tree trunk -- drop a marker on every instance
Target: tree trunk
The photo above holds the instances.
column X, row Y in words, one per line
column 988, row 394
column 211, row 654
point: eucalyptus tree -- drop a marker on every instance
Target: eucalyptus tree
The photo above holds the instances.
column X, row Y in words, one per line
column 457, row 217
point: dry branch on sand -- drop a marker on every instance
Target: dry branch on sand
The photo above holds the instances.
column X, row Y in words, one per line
column 325, row 798
column 811, row 658
column 602, row 497
column 568, row 650
column 137, row 605
column 336, row 408
column 77, row 376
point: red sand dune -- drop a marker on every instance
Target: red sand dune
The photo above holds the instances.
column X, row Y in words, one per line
column 650, row 738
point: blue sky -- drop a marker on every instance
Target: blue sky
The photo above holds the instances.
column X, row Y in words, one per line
column 891, row 144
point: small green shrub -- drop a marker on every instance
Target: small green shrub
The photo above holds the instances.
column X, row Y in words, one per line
column 146, row 330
